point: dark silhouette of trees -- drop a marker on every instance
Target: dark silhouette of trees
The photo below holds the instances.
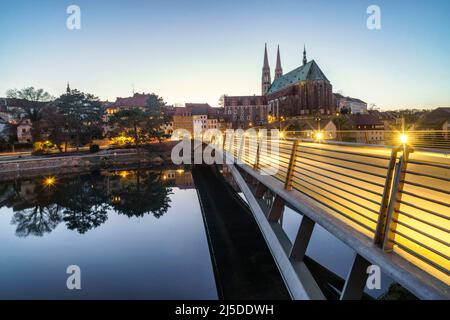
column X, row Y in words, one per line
column 82, row 202
column 36, row 213
column 37, row 99
column 37, row 220
column 141, row 123
column 85, row 203
column 147, row 194
column 80, row 116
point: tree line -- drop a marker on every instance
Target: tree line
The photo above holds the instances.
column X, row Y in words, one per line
column 76, row 118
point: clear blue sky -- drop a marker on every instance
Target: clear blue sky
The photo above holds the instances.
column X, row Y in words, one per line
column 196, row 50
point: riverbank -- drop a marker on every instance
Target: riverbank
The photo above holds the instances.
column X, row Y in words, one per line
column 155, row 155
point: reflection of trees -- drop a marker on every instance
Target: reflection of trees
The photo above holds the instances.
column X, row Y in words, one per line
column 146, row 194
column 37, row 220
column 85, row 203
column 36, row 213
column 81, row 202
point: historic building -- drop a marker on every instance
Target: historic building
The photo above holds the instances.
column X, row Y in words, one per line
column 197, row 117
column 353, row 105
column 368, row 128
column 304, row 91
column 246, row 111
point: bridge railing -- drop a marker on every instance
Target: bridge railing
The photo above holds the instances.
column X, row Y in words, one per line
column 431, row 139
column 396, row 196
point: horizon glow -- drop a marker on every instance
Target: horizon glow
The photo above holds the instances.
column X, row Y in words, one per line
column 198, row 50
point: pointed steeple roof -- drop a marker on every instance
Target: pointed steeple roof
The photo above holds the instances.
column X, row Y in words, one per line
column 278, row 67
column 68, row 87
column 305, row 61
column 266, row 60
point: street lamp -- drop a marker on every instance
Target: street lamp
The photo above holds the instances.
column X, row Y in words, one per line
column 319, row 136
column 404, row 138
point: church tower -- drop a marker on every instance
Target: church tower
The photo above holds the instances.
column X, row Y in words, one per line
column 266, row 80
column 278, row 69
column 305, row 61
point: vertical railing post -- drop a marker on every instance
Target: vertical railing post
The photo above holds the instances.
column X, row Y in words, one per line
column 395, row 199
column 384, row 207
column 290, row 172
column 258, row 143
column 239, row 150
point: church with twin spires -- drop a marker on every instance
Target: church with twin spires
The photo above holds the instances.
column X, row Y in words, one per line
column 304, row 91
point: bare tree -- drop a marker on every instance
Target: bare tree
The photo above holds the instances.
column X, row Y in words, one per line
column 37, row 100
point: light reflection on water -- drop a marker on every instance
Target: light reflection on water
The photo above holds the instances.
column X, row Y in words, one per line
column 134, row 234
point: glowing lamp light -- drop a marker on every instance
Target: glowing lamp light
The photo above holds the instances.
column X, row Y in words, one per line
column 49, row 181
column 319, row 136
column 403, row 138
column 281, row 135
column 124, row 174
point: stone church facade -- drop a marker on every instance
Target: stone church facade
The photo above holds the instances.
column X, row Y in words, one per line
column 304, row 91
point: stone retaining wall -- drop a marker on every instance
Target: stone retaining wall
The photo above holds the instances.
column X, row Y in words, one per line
column 36, row 167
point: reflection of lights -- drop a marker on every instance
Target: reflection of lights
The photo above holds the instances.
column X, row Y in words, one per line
column 50, row 181
column 403, row 138
column 124, row 174
column 180, row 171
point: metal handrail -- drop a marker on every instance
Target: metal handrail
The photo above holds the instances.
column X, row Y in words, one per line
column 391, row 205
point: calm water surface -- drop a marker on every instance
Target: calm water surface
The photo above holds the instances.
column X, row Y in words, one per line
column 135, row 235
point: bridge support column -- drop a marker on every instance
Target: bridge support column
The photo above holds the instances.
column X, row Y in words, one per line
column 276, row 210
column 248, row 178
column 301, row 242
column 260, row 190
column 356, row 279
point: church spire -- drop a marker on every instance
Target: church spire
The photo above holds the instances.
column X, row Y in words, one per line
column 266, row 60
column 266, row 79
column 278, row 69
column 305, row 61
column 68, row 87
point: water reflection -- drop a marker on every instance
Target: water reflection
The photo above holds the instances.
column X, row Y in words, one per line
column 82, row 201
column 126, row 230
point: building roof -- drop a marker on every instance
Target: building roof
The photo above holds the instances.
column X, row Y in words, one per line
column 197, row 109
column 309, row 71
column 311, row 124
column 137, row 100
column 434, row 119
column 365, row 120
column 18, row 103
column 254, row 100
column 340, row 96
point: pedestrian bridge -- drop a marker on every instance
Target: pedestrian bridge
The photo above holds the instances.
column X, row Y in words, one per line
column 391, row 205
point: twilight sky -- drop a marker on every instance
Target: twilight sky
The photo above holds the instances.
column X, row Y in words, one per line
column 197, row 50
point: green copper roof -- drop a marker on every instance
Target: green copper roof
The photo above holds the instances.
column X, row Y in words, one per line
column 309, row 71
